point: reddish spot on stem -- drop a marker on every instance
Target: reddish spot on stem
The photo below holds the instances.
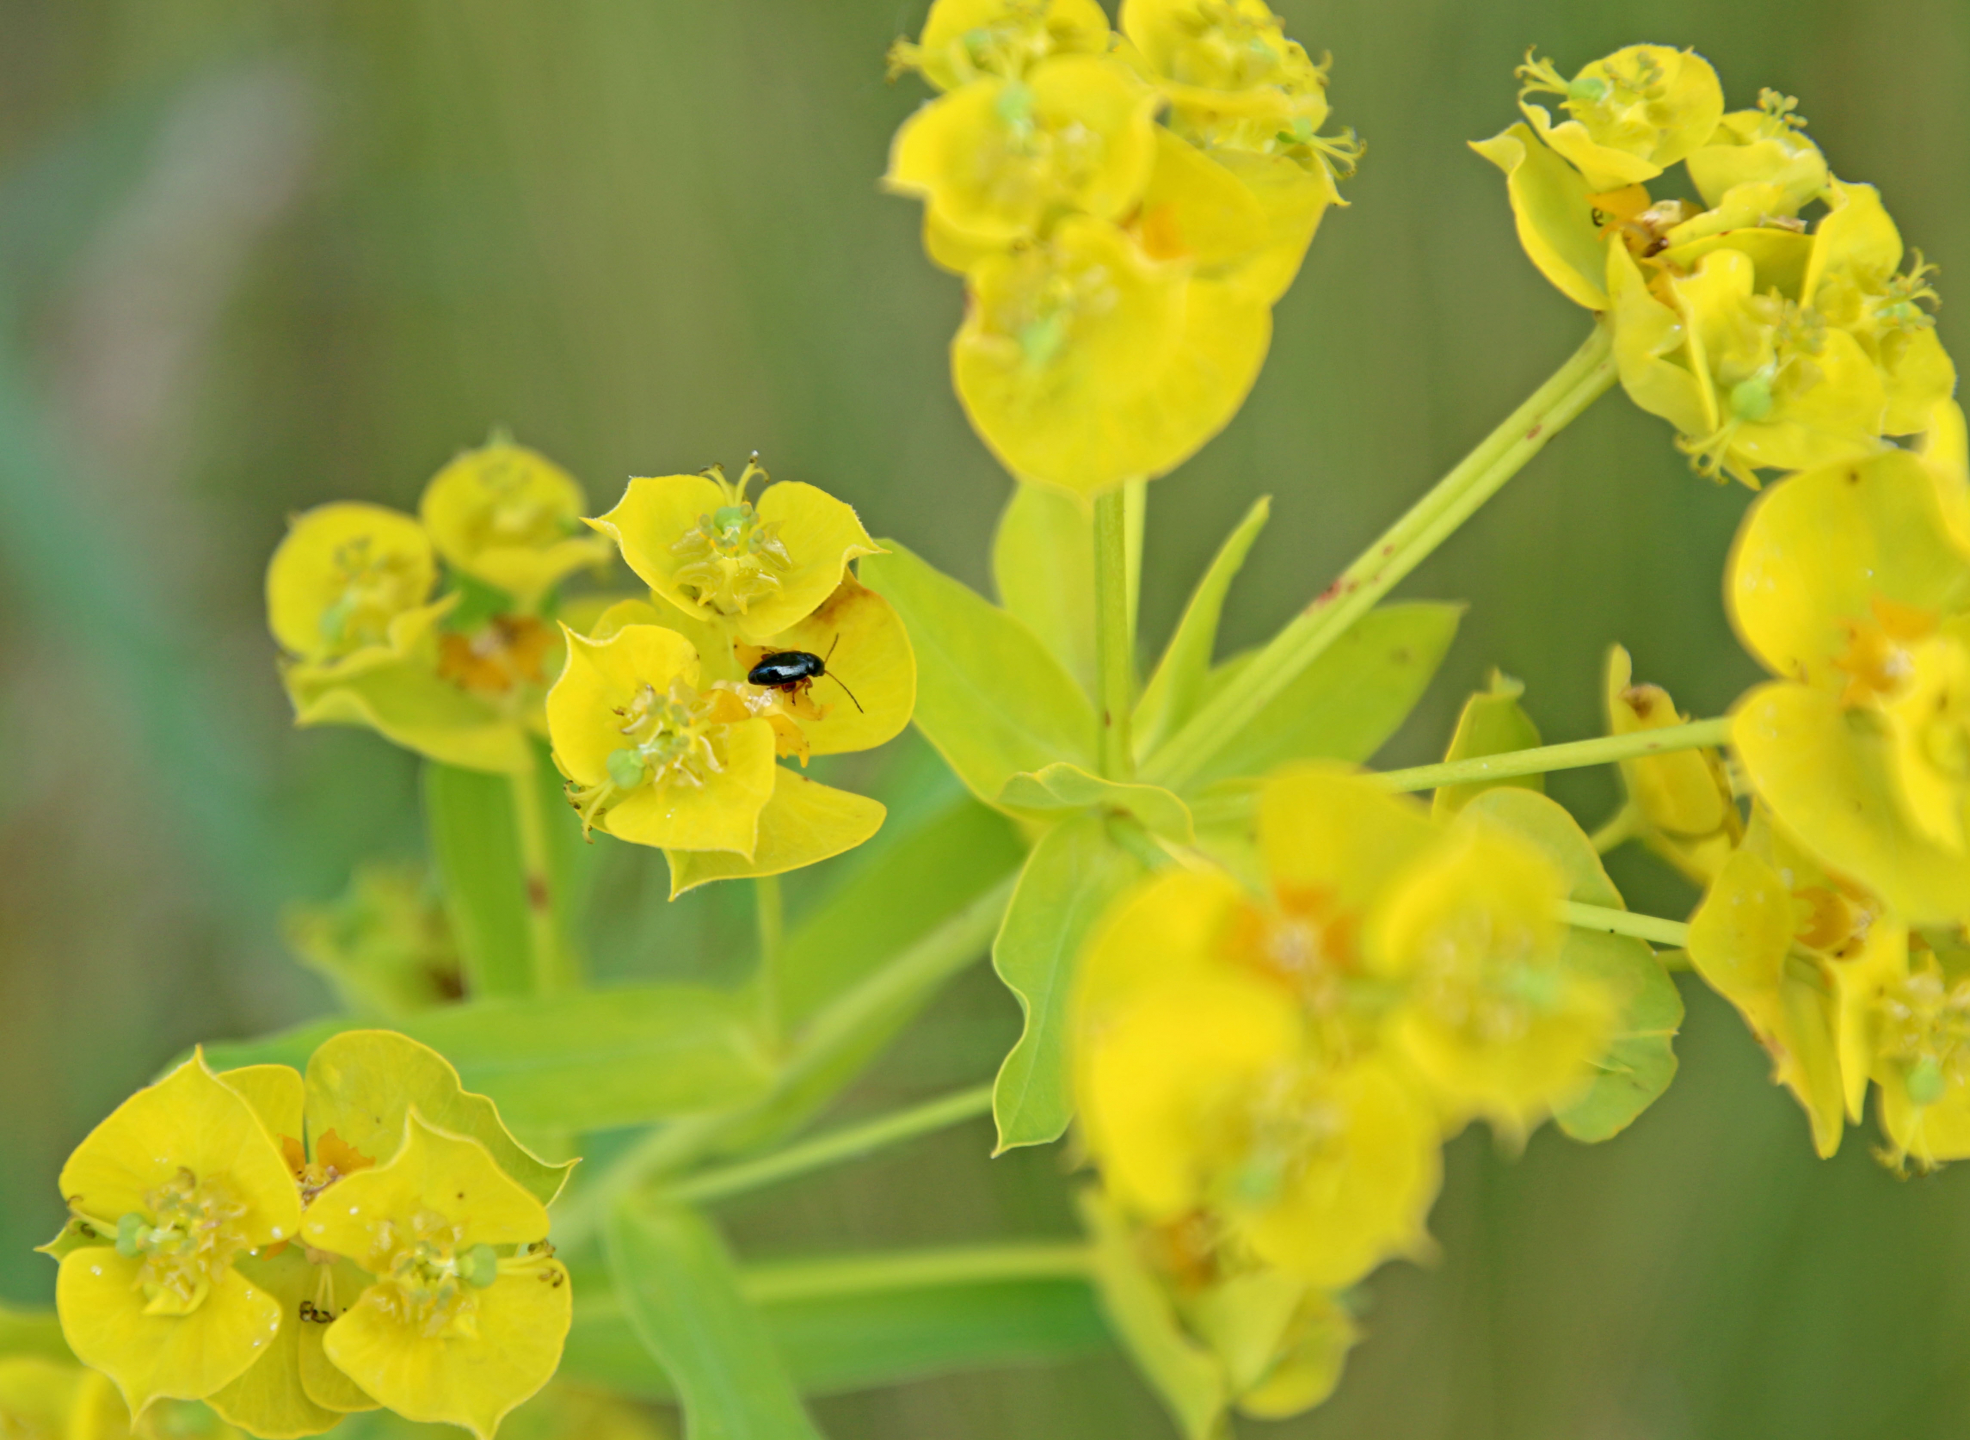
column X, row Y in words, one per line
column 537, row 895
column 1533, row 433
column 1388, row 549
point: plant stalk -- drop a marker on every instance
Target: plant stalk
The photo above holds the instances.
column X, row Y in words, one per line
column 1657, row 931
column 913, row 1270
column 1430, row 521
column 1114, row 634
column 770, row 908
column 946, row 950
column 1571, row 756
column 850, row 1142
column 551, row 971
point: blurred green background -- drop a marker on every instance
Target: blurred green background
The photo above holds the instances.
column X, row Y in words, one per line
column 257, row 255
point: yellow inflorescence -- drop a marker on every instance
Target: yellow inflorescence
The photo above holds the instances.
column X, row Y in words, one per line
column 215, row 1255
column 1124, row 210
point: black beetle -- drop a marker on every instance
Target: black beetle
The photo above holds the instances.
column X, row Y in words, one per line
column 792, row 671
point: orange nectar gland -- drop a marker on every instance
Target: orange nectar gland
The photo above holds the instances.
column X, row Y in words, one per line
column 1877, row 660
column 188, row 1244
column 493, row 661
column 334, row 1158
column 1305, row 941
column 670, row 742
column 732, row 556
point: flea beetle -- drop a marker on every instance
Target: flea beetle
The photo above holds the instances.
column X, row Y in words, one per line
column 792, row 672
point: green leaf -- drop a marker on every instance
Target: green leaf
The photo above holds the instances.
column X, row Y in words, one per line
column 468, row 817
column 1043, row 566
column 1348, row 701
column 681, row 1293
column 1062, row 788
column 1183, row 676
column 861, row 1341
column 990, row 696
column 1187, row 1377
column 1069, row 880
column 1492, row 723
column 1641, row 1061
column 586, row 1061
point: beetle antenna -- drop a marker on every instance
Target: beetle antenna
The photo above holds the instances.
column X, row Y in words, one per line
column 831, row 648
column 850, row 693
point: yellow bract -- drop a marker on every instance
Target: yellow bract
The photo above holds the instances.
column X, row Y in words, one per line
column 349, row 577
column 1631, row 114
column 997, row 158
column 1490, row 1017
column 1227, row 61
column 509, row 517
column 657, row 760
column 178, row 1183
column 1083, row 363
column 1683, row 799
column 458, row 1328
column 1848, row 580
column 756, row 569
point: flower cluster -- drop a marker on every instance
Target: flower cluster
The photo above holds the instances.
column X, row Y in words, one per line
column 756, row 643
column 1125, row 209
column 454, row 672
column 1266, row 1074
column 292, row 1250
column 1835, row 918
column 1768, row 342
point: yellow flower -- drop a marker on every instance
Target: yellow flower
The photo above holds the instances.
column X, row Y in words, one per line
column 1803, row 954
column 701, row 545
column 1855, row 281
column 47, row 1399
column 657, row 760
column 347, row 598
column 1226, row 61
column 997, row 159
column 964, row 39
column 1082, row 362
column 1921, row 1035
column 1631, row 114
column 1489, row 1016
column 1684, row 798
column 1756, row 168
column 179, row 1183
column 510, row 518
column 350, row 577
column 1848, row 581
column 468, row 1309
column 1224, row 1049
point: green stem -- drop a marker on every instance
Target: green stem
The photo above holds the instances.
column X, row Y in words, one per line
column 1114, row 636
column 850, row 1142
column 1430, row 521
column 550, row 965
column 913, row 1270
column 1571, row 756
column 1621, row 827
column 1657, row 931
column 835, row 1029
column 770, row 908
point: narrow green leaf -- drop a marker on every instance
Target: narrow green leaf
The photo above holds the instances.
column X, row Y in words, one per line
column 859, row 1342
column 1069, row 880
column 468, row 817
column 584, row 1061
column 1641, row 1060
column 1182, row 677
column 1187, row 1377
column 1043, row 566
column 1347, row 702
column 681, row 1293
column 1061, row 788
column 990, row 696
column 1492, row 723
